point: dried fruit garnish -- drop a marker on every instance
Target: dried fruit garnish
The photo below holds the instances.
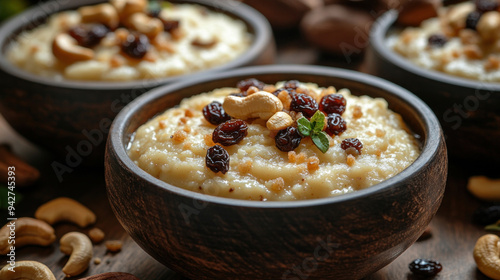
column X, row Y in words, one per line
column 136, row 46
column 425, row 267
column 217, row 159
column 244, row 85
column 88, row 35
column 332, row 104
column 214, row 113
column 352, row 143
column 437, row 40
column 314, row 129
column 230, row 132
column 486, row 215
column 288, row 139
column 303, row 103
column 484, row 6
column 472, row 20
column 335, row 124
column 170, row 25
column 292, row 84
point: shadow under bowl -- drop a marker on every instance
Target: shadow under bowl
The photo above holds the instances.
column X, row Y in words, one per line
column 344, row 237
column 468, row 110
column 72, row 118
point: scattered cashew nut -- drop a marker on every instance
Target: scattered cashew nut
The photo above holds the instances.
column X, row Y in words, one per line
column 111, row 276
column 279, row 121
column 79, row 247
column 487, row 255
column 65, row 209
column 144, row 24
column 484, row 188
column 261, row 105
column 28, row 231
column 489, row 25
column 27, row 270
column 66, row 49
column 102, row 13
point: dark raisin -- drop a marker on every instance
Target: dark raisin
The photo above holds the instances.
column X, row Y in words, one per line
column 293, row 84
column 288, row 90
column 244, row 85
column 88, row 35
column 170, row 25
column 425, row 267
column 215, row 114
column 352, row 143
column 288, row 139
column 332, row 104
column 230, row 132
column 303, row 103
column 472, row 20
column 335, row 124
column 136, row 46
column 437, row 40
column 154, row 13
column 486, row 215
column 484, row 6
column 238, row 94
column 217, row 159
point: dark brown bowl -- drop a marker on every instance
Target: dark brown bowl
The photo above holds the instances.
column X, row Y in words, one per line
column 72, row 118
column 468, row 110
column 343, row 237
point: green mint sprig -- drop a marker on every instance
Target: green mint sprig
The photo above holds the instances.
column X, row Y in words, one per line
column 314, row 129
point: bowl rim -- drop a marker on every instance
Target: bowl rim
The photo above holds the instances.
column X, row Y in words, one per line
column 428, row 151
column 254, row 20
column 378, row 37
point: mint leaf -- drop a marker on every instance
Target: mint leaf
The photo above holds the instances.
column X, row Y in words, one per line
column 304, row 126
column 495, row 227
column 321, row 141
column 317, row 122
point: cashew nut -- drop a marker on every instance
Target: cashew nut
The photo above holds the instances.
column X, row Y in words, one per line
column 489, row 25
column 66, row 49
column 126, row 8
column 279, row 121
column 487, row 255
column 144, row 24
column 261, row 104
column 65, row 209
column 456, row 16
column 28, row 231
column 27, row 270
column 484, row 187
column 102, row 13
column 79, row 247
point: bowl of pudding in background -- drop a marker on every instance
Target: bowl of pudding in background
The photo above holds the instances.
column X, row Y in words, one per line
column 467, row 107
column 72, row 117
column 342, row 237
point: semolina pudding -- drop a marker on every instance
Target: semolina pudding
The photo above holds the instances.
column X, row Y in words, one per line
column 283, row 142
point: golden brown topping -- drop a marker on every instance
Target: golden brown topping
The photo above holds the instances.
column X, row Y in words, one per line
column 379, row 132
column 208, row 140
column 285, row 98
column 292, row 157
column 277, row 184
column 351, row 160
column 179, row 136
column 473, row 52
column 96, row 235
column 114, row 245
column 493, row 63
column 357, row 112
column 245, row 166
column 312, row 163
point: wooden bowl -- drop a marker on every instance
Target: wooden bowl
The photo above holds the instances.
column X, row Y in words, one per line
column 72, row 118
column 468, row 110
column 343, row 237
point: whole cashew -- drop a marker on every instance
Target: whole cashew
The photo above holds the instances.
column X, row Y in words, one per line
column 487, row 255
column 261, row 104
column 79, row 247
column 126, row 8
column 102, row 13
column 66, row 49
column 111, row 276
column 28, row 231
column 489, row 25
column 144, row 24
column 484, row 188
column 27, row 270
column 278, row 121
column 65, row 209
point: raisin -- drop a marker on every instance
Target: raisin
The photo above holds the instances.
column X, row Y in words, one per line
column 472, row 20
column 335, row 125
column 437, row 40
column 352, row 143
column 244, row 85
column 136, row 46
column 332, row 103
column 88, row 35
column 484, row 6
column 292, row 84
column 288, row 139
column 217, row 159
column 486, row 215
column 215, row 114
column 425, row 267
column 289, row 90
column 303, row 103
column 238, row 94
column 170, row 25
column 230, row 132
column 155, row 12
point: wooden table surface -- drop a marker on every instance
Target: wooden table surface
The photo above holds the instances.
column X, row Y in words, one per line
column 453, row 233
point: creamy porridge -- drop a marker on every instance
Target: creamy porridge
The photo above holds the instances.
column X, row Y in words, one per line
column 125, row 40
column 462, row 41
column 366, row 143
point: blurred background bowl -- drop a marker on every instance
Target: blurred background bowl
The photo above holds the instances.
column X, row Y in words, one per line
column 344, row 237
column 72, row 118
column 468, row 110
